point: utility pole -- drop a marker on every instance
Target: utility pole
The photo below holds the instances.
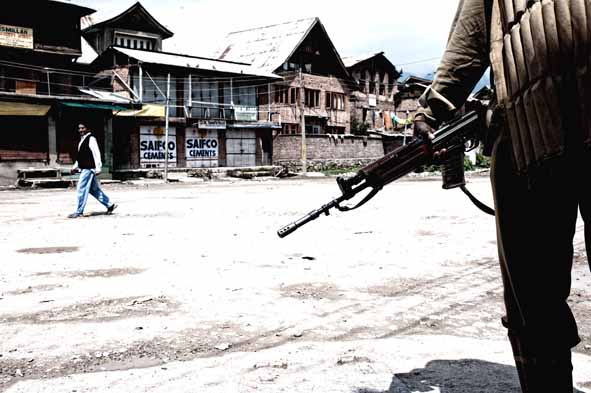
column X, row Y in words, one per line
column 303, row 124
column 166, row 130
column 405, row 128
column 141, row 77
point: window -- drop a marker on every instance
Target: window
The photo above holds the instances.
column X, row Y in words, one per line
column 312, row 98
column 312, row 129
column 142, row 44
column 134, row 44
column 281, row 94
column 294, row 95
column 290, row 129
column 335, row 101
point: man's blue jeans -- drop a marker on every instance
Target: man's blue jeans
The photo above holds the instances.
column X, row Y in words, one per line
column 89, row 184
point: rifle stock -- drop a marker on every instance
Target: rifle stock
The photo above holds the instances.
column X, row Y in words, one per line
column 452, row 136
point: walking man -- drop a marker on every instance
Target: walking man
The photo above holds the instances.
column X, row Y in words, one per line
column 88, row 164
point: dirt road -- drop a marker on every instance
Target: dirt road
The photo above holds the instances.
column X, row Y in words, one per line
column 187, row 288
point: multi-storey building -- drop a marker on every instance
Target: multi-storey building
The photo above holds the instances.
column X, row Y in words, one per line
column 372, row 103
column 213, row 108
column 43, row 91
column 315, row 85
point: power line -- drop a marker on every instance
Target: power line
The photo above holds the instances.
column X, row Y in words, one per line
column 419, row 61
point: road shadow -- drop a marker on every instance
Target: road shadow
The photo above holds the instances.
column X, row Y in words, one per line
column 456, row 376
column 95, row 214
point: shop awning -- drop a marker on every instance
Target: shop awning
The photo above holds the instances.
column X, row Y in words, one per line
column 22, row 109
column 148, row 110
column 94, row 105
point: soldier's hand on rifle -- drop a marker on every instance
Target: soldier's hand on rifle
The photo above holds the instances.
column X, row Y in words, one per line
column 422, row 129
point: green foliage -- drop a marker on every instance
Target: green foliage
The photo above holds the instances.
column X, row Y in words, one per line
column 482, row 161
column 358, row 128
column 468, row 166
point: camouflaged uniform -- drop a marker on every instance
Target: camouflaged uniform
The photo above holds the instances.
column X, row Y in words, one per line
column 540, row 56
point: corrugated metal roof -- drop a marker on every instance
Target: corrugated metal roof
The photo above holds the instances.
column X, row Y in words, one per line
column 350, row 61
column 187, row 61
column 88, row 53
column 266, row 47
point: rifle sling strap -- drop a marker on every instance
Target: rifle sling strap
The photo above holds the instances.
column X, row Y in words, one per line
column 476, row 202
column 375, row 190
column 370, row 195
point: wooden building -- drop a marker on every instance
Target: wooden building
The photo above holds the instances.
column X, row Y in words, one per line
column 213, row 107
column 42, row 94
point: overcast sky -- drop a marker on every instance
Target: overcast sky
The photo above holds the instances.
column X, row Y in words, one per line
column 408, row 31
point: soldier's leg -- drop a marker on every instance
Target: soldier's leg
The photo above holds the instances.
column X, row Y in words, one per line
column 535, row 228
column 585, row 199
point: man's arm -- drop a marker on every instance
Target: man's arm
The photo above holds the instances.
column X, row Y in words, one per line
column 465, row 59
column 96, row 154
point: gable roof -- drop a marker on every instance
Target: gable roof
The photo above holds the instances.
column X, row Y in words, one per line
column 135, row 10
column 186, row 61
column 352, row 62
column 69, row 7
column 410, row 79
column 268, row 47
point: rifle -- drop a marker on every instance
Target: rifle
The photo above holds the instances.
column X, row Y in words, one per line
column 457, row 136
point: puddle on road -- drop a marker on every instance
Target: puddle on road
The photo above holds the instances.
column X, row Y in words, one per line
column 48, row 250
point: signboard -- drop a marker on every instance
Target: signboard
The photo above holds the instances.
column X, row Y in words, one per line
column 372, row 100
column 245, row 113
column 15, row 36
column 153, row 147
column 202, row 148
column 212, row 124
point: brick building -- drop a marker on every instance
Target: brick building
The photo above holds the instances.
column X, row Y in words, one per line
column 372, row 103
column 315, row 87
column 302, row 53
column 410, row 88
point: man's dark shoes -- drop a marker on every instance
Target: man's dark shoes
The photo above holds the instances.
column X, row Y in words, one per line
column 111, row 208
column 74, row 215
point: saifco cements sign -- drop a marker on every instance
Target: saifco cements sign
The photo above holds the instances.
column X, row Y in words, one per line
column 201, row 148
column 15, row 36
column 153, row 147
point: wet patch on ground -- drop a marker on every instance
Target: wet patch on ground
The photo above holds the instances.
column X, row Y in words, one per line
column 100, row 311
column 315, row 291
column 93, row 273
column 48, row 250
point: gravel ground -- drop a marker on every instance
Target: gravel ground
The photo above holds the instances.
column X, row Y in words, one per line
column 187, row 288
